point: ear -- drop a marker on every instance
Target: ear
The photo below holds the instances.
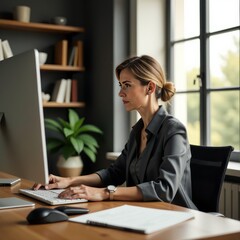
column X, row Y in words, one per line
column 151, row 88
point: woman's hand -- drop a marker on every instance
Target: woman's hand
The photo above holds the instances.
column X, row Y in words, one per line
column 85, row 192
column 54, row 182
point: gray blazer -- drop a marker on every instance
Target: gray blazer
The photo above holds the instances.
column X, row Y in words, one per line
column 162, row 172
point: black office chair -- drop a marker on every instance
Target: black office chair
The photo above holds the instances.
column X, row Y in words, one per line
column 208, row 167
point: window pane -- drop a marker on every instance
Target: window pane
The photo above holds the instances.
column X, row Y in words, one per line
column 224, row 118
column 223, row 14
column 186, row 65
column 186, row 18
column 224, row 59
column 186, row 109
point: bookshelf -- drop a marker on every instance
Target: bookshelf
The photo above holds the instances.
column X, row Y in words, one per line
column 55, row 67
column 67, row 105
column 55, row 29
column 39, row 27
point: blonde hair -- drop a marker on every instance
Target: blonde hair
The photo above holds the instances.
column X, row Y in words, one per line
column 146, row 69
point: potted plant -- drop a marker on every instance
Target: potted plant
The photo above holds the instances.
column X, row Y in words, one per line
column 73, row 137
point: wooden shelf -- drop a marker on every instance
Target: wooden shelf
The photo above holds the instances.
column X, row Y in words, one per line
column 55, row 67
column 39, row 27
column 48, row 28
column 63, row 105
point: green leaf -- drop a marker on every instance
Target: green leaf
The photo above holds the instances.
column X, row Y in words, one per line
column 53, row 125
column 54, row 144
column 92, row 148
column 68, row 151
column 88, row 139
column 64, row 123
column 73, row 118
column 90, row 128
column 68, row 132
column 77, row 144
column 78, row 124
column 90, row 154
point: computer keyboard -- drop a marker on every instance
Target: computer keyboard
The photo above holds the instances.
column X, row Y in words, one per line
column 49, row 196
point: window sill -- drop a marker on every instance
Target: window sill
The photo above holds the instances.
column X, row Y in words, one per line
column 112, row 155
column 233, row 169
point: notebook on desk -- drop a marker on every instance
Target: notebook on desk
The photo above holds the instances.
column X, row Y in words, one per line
column 50, row 196
column 13, row 202
column 134, row 218
column 9, row 181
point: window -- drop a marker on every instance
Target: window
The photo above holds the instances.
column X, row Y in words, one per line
column 203, row 62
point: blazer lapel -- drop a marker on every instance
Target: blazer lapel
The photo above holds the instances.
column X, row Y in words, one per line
column 132, row 151
column 145, row 158
column 153, row 130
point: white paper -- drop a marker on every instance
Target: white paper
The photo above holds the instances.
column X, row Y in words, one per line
column 140, row 219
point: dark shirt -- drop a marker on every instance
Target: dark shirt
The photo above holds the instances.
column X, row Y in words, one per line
column 162, row 171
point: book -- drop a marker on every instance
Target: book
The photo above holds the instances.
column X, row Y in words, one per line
column 68, row 91
column 55, row 91
column 71, row 56
column 7, row 51
column 61, row 52
column 59, row 91
column 75, row 59
column 1, row 51
column 79, row 45
column 134, row 218
column 74, row 91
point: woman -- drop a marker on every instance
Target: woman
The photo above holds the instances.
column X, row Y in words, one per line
column 155, row 162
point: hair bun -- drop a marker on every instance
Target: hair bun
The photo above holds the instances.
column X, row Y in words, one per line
column 168, row 90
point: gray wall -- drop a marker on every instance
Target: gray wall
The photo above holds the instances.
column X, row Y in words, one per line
column 106, row 45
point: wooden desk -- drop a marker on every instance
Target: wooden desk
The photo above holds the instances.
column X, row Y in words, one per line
column 13, row 224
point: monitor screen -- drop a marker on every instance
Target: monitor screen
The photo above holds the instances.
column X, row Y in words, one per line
column 22, row 134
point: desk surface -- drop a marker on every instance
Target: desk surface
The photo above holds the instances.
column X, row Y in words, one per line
column 13, row 224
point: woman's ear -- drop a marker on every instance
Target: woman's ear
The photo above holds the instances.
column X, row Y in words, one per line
column 151, row 88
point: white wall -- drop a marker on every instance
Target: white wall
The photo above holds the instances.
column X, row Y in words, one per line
column 148, row 32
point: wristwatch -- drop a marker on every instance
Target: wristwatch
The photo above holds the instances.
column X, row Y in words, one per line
column 111, row 189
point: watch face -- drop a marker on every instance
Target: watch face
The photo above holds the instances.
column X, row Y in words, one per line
column 111, row 188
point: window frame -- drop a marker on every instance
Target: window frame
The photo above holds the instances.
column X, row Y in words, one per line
column 205, row 89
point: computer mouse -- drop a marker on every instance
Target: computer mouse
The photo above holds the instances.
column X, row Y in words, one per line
column 46, row 215
column 72, row 210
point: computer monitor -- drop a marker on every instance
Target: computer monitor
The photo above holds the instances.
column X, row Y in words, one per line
column 22, row 134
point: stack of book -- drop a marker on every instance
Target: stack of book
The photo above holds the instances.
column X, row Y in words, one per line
column 65, row 91
column 5, row 50
column 69, row 55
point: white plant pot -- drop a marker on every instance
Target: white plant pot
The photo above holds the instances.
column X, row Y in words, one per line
column 71, row 167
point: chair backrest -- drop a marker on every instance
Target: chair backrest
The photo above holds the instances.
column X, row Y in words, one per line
column 208, row 167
